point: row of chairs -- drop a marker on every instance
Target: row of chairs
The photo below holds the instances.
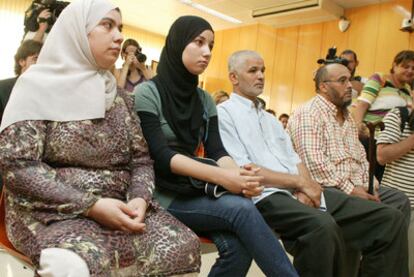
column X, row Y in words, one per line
column 7, row 246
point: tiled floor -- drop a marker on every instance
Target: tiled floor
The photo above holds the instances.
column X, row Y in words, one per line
column 11, row 267
column 207, row 260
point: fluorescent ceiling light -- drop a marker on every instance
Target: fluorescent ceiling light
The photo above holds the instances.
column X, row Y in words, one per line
column 210, row 11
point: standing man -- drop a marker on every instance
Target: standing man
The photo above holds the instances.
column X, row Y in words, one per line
column 356, row 81
column 292, row 203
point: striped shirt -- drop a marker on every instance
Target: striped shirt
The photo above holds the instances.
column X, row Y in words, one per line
column 332, row 152
column 382, row 96
column 398, row 174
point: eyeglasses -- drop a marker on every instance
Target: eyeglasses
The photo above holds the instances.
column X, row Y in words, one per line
column 342, row 81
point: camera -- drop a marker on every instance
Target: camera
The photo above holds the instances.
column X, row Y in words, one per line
column 30, row 19
column 332, row 58
column 140, row 57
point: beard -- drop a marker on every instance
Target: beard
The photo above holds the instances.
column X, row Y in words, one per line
column 337, row 100
column 346, row 104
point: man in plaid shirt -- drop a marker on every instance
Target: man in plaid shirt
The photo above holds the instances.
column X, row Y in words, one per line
column 325, row 136
column 320, row 241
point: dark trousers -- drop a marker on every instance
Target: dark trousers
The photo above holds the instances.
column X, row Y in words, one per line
column 321, row 241
column 396, row 199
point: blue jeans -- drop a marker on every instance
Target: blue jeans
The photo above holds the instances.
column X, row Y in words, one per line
column 239, row 232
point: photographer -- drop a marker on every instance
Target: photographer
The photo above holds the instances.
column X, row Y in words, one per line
column 40, row 17
column 133, row 71
column 41, row 34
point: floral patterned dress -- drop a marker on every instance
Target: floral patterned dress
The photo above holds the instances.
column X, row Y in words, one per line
column 55, row 171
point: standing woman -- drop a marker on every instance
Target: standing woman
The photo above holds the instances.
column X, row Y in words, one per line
column 79, row 179
column 179, row 120
column 133, row 71
column 383, row 92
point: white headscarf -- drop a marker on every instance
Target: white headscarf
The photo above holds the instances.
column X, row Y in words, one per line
column 66, row 83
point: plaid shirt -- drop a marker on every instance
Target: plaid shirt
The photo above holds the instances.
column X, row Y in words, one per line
column 332, row 152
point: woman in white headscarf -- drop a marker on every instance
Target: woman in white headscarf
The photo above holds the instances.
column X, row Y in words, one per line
column 79, row 179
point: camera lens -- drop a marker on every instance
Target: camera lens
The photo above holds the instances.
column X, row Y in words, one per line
column 140, row 57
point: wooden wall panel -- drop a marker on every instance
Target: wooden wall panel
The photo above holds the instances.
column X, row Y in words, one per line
column 411, row 46
column 229, row 45
column 331, row 36
column 374, row 34
column 284, row 64
column 17, row 6
column 390, row 43
column 363, row 35
column 248, row 37
column 266, row 48
column 308, row 52
column 12, row 30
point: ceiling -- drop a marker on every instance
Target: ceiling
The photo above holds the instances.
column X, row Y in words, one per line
column 158, row 15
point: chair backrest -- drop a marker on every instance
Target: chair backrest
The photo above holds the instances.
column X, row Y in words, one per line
column 372, row 159
column 4, row 241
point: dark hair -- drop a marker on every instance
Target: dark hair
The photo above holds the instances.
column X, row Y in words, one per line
column 262, row 102
column 219, row 94
column 283, row 115
column 402, row 57
column 130, row 42
column 350, row 52
column 320, row 76
column 271, row 111
column 26, row 49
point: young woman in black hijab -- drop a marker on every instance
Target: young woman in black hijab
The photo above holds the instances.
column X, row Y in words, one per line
column 179, row 121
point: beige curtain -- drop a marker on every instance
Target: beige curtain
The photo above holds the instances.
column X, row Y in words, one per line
column 12, row 29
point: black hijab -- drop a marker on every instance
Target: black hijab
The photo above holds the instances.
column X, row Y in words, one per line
column 181, row 105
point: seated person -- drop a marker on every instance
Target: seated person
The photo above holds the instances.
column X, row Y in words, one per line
column 331, row 148
column 133, row 71
column 26, row 55
column 272, row 112
column 220, row 96
column 79, row 175
column 284, row 119
column 179, row 122
column 395, row 150
column 317, row 239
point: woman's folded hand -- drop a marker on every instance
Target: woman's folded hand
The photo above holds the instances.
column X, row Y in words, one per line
column 117, row 215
